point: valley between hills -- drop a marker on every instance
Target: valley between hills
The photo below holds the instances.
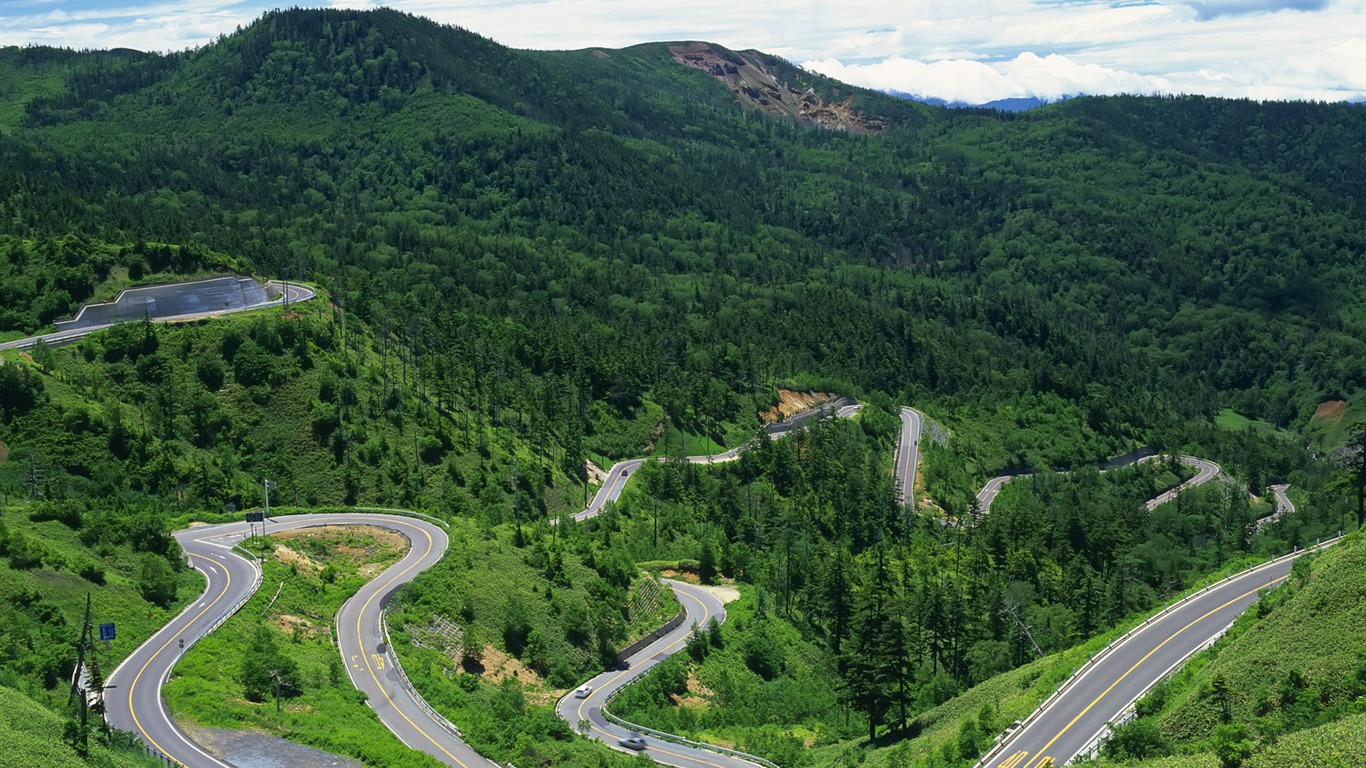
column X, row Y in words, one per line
column 803, row 425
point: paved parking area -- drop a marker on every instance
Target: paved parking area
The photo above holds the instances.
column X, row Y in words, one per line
column 157, row 301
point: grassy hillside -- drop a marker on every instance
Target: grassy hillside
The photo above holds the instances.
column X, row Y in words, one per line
column 537, row 259
column 1286, row 686
column 31, row 735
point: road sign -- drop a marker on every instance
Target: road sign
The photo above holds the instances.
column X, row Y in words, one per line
column 107, row 631
column 256, row 517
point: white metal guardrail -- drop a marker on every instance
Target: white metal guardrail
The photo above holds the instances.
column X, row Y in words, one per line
column 673, row 737
column 1108, row 649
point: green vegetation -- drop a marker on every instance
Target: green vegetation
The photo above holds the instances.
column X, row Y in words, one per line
column 226, row 680
column 1286, row 686
column 32, row 735
column 49, row 279
column 49, row 567
column 501, row 628
column 530, row 260
column 1233, row 421
column 864, row 620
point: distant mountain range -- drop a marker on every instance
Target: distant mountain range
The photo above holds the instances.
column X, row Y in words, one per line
column 1018, row 104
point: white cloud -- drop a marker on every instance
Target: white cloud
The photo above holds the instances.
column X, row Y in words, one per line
column 951, row 49
column 976, row 82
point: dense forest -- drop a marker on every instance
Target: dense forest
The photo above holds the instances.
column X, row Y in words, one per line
column 535, row 261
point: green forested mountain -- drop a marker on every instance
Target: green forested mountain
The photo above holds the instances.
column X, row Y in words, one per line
column 536, row 258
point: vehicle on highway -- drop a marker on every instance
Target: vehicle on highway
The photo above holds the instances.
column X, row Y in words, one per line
column 582, row 691
column 632, row 741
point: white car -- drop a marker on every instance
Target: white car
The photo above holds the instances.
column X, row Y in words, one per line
column 582, row 691
column 632, row 741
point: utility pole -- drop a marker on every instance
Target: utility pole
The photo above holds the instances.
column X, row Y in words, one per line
column 80, row 690
column 275, row 675
column 269, row 485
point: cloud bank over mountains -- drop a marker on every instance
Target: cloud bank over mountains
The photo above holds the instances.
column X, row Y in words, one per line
column 972, row 52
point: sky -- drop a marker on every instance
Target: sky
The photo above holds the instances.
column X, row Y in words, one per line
column 971, row 51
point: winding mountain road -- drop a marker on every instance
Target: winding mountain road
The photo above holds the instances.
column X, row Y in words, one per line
column 1284, row 506
column 232, row 578
column 136, row 705
column 1071, row 721
column 1205, row 471
column 586, row 714
column 620, row 473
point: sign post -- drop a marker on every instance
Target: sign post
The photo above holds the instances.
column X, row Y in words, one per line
column 254, row 517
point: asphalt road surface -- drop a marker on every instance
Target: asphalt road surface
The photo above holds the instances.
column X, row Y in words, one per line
column 908, row 454
column 701, row 607
column 185, row 310
column 135, row 703
column 1068, row 723
column 621, row 472
column 1284, row 506
column 1205, row 471
column 1101, row 691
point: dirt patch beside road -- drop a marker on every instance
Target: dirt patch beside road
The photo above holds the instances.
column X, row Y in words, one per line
column 790, row 403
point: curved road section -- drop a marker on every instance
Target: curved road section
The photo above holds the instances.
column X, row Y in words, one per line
column 620, row 473
column 908, row 454
column 586, row 713
column 1284, row 506
column 1077, row 717
column 136, row 705
column 1205, row 471
column 286, row 293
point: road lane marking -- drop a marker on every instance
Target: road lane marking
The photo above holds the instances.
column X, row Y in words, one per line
column 1013, row 760
column 1104, row 693
column 132, row 710
column 361, row 614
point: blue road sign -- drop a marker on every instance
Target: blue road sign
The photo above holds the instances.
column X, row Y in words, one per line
column 107, row 631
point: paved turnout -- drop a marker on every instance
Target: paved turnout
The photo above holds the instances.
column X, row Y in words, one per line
column 284, row 293
column 136, row 705
column 701, row 607
column 1108, row 685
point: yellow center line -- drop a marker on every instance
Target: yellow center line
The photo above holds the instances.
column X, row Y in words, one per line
column 1146, row 656
column 370, row 667
column 133, row 685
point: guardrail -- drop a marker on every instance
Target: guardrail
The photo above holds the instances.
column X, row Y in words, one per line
column 403, row 680
column 673, row 737
column 218, row 622
column 1105, row 652
column 670, row 737
column 405, row 513
column 654, row 634
column 1129, row 711
column 407, row 684
column 215, row 624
